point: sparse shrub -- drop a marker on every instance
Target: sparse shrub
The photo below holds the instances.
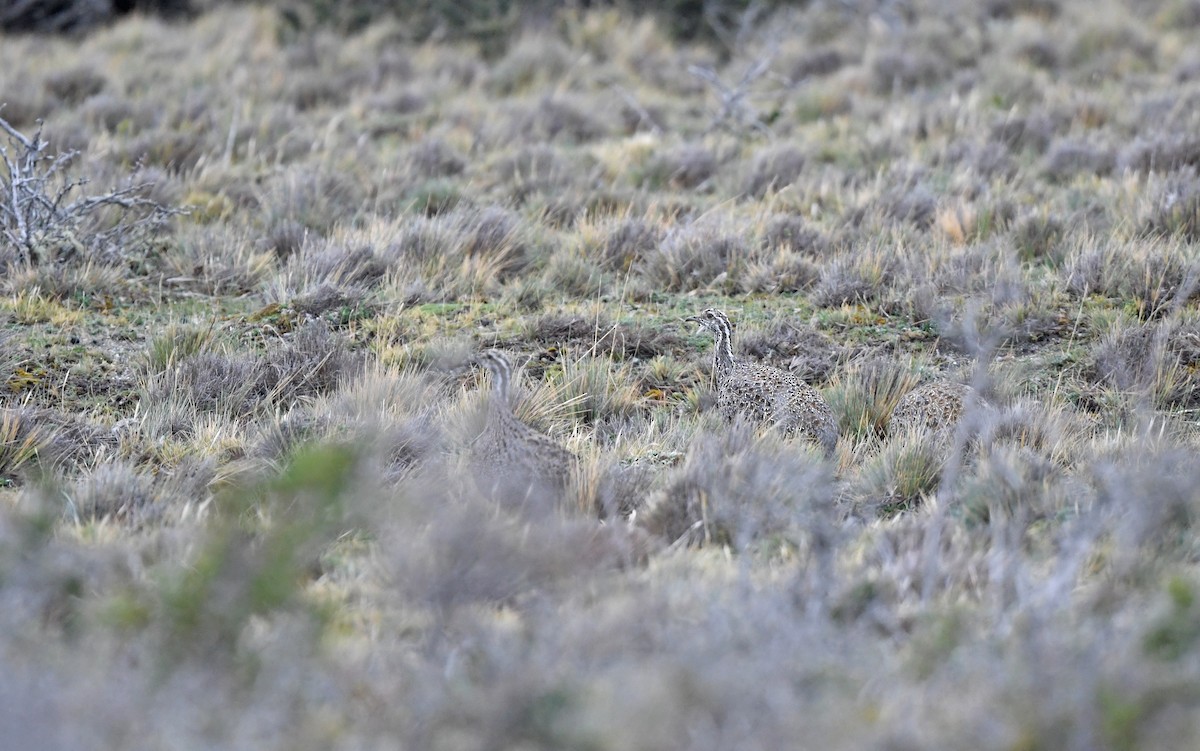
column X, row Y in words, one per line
column 1013, row 484
column 1067, row 158
column 904, row 199
column 561, row 118
column 19, row 444
column 1042, row 53
column 1039, row 236
column 329, row 263
column 815, row 63
column 177, row 342
column 113, row 113
column 597, row 389
column 279, row 438
column 864, row 394
column 114, row 490
column 283, row 238
column 572, row 275
column 903, row 69
column 773, row 170
column 313, row 362
column 618, row 492
column 498, row 235
column 1153, row 274
column 75, row 85
column 906, row 470
column 1046, row 10
column 785, row 271
column 1158, row 361
column 792, row 232
column 1032, row 133
column 76, row 16
column 434, row 197
column 52, row 438
column 808, row 353
column 854, row 279
column 695, row 256
column 1163, row 154
column 1150, row 497
column 532, row 60
column 686, row 167
column 433, row 157
column 628, row 242
column 1174, row 209
column 734, row 490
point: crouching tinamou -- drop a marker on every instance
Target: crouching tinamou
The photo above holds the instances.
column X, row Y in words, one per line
column 512, row 461
column 764, row 393
column 935, row 407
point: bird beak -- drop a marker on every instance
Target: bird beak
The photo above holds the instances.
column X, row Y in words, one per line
column 697, row 320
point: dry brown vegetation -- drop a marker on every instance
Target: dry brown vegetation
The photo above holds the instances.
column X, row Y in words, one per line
column 235, row 509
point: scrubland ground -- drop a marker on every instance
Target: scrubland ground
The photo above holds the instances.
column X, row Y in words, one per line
column 235, row 508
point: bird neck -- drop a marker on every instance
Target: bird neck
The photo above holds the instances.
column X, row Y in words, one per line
column 723, row 350
column 499, row 406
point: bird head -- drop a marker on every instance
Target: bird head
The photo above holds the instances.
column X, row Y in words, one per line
column 711, row 320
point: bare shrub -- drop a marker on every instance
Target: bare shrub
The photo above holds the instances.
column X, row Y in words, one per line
column 46, row 218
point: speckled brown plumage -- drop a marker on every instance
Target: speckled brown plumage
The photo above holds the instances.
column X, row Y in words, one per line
column 936, row 406
column 765, row 393
column 508, row 454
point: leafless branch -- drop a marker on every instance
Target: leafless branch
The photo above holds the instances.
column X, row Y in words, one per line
column 41, row 208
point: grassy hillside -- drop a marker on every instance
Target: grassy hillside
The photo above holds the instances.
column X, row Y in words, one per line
column 236, row 508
